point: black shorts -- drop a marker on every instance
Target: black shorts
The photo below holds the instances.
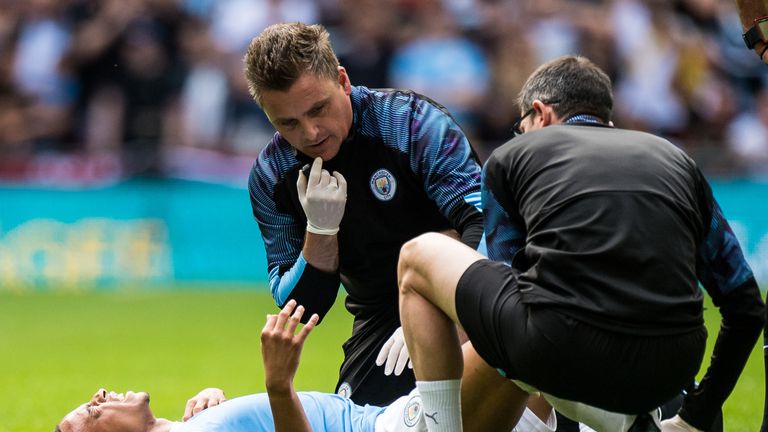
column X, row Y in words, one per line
column 570, row 359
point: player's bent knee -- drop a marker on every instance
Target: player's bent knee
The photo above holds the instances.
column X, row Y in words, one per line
column 413, row 256
column 413, row 251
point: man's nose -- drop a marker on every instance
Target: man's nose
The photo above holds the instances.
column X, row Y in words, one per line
column 311, row 130
column 100, row 396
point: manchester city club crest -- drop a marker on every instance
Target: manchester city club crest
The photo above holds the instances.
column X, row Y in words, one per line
column 383, row 185
column 412, row 411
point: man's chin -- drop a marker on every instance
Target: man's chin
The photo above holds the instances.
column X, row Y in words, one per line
column 326, row 151
column 329, row 155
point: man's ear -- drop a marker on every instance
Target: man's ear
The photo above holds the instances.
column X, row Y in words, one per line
column 344, row 80
column 545, row 114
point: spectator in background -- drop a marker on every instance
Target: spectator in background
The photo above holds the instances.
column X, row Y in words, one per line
column 513, row 57
column 552, row 31
column 218, row 133
column 646, row 43
column 234, row 22
column 14, row 133
column 198, row 8
column 125, row 57
column 680, row 66
column 441, row 62
column 364, row 41
column 204, row 95
column 15, row 128
column 519, row 39
column 42, row 38
column 232, row 26
column 149, row 85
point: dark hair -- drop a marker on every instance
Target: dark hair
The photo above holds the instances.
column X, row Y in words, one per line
column 278, row 56
column 575, row 83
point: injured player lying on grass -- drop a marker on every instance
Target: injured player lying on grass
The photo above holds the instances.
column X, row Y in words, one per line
column 284, row 409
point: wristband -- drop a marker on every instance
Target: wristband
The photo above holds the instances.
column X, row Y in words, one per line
column 322, row 231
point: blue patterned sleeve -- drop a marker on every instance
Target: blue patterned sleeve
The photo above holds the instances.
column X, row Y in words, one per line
column 283, row 235
column 449, row 168
column 290, row 276
column 445, row 157
column 721, row 266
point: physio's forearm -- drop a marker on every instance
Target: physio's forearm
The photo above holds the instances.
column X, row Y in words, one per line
column 322, row 251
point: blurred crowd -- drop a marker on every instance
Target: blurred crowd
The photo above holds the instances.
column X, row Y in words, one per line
column 99, row 89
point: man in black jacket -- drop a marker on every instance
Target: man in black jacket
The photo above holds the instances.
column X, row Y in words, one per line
column 597, row 240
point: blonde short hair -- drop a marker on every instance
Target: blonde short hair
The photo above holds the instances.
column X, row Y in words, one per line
column 282, row 53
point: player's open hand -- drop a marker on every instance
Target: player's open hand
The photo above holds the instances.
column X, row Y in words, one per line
column 281, row 346
column 205, row 399
column 323, row 197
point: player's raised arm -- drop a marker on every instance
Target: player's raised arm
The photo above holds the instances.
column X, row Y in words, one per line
column 281, row 350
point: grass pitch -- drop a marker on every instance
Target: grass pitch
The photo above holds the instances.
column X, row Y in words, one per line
column 56, row 350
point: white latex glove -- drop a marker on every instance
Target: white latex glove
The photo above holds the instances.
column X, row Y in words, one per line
column 394, row 354
column 323, row 197
column 677, row 424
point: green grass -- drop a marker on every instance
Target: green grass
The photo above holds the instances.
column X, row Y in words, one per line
column 57, row 349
